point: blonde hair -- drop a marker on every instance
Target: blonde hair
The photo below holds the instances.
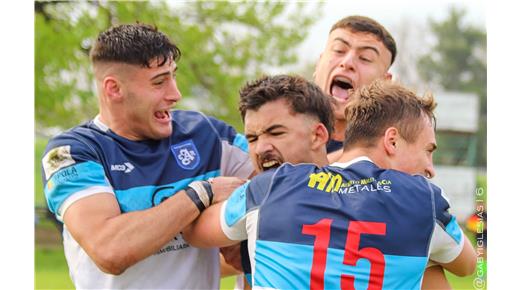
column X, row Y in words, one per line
column 383, row 104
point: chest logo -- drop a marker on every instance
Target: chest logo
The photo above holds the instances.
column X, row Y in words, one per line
column 126, row 167
column 186, row 154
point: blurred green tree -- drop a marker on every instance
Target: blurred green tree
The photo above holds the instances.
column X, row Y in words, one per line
column 223, row 45
column 457, row 62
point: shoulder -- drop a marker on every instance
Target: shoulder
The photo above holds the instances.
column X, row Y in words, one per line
column 76, row 139
column 289, row 169
column 75, row 145
column 286, row 175
column 191, row 120
column 187, row 118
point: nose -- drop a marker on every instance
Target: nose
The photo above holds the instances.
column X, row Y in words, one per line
column 173, row 94
column 430, row 171
column 347, row 62
column 263, row 145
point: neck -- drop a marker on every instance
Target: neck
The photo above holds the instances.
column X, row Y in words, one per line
column 116, row 125
column 322, row 160
column 339, row 130
column 372, row 153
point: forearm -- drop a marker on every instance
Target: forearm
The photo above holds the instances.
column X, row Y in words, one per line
column 122, row 240
column 206, row 232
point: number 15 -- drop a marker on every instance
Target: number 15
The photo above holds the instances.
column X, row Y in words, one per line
column 321, row 230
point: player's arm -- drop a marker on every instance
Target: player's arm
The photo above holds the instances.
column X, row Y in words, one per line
column 222, row 224
column 435, row 278
column 205, row 232
column 117, row 241
column 227, row 269
column 465, row 262
column 450, row 247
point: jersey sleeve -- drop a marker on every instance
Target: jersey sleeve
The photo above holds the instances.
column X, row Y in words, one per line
column 71, row 170
column 242, row 203
column 447, row 239
column 234, row 159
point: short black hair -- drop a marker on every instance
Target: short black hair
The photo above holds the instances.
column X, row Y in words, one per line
column 303, row 97
column 136, row 44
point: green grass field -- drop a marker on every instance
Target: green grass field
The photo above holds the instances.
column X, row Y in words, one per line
column 51, row 270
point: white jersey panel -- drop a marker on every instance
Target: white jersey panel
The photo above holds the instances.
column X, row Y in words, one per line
column 176, row 266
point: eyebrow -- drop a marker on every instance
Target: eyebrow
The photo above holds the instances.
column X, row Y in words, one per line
column 273, row 127
column 164, row 74
column 360, row 48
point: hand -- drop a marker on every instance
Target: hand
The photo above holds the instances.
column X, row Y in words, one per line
column 223, row 186
column 232, row 256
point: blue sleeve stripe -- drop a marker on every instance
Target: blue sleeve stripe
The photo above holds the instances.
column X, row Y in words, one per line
column 236, row 205
column 72, row 179
column 144, row 197
column 240, row 141
column 454, row 230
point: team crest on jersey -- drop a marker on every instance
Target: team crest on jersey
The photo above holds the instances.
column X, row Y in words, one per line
column 186, row 154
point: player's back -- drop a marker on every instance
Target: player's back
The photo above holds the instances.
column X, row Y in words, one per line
column 343, row 228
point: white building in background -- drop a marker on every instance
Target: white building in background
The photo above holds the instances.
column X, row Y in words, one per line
column 457, row 122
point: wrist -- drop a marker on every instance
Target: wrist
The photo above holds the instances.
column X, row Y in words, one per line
column 200, row 193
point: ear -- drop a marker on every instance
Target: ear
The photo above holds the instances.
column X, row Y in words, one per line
column 388, row 76
column 390, row 140
column 320, row 136
column 112, row 88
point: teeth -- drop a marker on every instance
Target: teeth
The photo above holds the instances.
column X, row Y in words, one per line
column 342, row 79
column 269, row 163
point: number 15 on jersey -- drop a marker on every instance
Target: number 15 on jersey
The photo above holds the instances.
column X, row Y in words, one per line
column 321, row 232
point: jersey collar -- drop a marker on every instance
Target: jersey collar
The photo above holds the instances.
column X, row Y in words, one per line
column 100, row 124
column 347, row 164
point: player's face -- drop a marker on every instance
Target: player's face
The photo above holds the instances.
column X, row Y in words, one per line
column 416, row 158
column 350, row 60
column 149, row 94
column 276, row 135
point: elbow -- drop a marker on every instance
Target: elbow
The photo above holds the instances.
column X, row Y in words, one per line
column 110, row 261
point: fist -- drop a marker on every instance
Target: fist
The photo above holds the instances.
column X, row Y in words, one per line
column 223, row 186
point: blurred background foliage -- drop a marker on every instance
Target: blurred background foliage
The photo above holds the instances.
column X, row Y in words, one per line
column 457, row 61
column 223, row 45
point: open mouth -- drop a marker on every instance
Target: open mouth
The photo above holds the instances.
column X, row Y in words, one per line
column 266, row 165
column 162, row 116
column 341, row 87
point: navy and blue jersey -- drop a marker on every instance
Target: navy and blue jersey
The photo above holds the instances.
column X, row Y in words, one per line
column 341, row 226
column 141, row 173
column 91, row 159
